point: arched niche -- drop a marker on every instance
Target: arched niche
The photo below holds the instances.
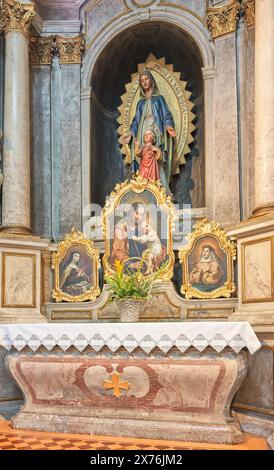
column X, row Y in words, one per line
column 110, row 60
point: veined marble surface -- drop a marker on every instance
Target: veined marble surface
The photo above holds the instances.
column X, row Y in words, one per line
column 257, row 271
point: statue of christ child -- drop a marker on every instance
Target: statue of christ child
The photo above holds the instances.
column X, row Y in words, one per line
column 155, row 252
column 149, row 156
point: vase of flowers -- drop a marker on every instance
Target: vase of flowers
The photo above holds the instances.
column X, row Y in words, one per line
column 131, row 291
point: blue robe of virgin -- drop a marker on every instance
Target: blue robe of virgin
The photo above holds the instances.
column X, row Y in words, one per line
column 160, row 111
column 162, row 118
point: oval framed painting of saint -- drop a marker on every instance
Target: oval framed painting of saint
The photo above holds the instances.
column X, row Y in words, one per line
column 137, row 224
column 76, row 264
column 207, row 262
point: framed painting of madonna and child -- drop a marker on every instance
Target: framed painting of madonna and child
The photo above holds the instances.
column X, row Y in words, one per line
column 137, row 224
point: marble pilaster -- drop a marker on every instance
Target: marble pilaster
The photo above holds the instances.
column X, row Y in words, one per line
column 209, row 74
column 70, row 209
column 241, row 48
column 41, row 200
column 264, row 109
column 225, row 166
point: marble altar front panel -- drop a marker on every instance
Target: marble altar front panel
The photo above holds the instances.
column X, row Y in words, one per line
column 145, row 396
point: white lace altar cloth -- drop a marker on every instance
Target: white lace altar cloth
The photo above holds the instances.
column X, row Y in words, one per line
column 147, row 336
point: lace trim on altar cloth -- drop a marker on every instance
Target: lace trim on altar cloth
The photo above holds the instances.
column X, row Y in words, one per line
column 129, row 343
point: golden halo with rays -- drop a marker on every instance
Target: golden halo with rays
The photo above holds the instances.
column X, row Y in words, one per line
column 178, row 99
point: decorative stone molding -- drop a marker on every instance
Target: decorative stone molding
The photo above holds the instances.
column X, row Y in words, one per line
column 223, row 20
column 16, row 16
column 70, row 49
column 248, row 7
column 135, row 4
column 41, row 50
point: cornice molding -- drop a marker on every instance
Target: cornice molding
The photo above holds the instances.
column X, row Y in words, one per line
column 49, row 27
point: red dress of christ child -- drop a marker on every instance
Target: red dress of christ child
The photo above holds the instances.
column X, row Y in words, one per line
column 149, row 156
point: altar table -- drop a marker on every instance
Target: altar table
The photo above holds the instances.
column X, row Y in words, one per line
column 151, row 380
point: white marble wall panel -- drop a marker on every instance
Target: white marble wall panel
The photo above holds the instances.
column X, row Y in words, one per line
column 19, row 280
column 197, row 6
column 257, row 271
column 226, row 172
column 98, row 14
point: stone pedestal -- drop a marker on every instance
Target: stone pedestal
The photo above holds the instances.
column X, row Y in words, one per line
column 21, row 267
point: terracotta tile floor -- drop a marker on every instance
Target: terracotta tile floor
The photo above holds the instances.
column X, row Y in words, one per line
column 11, row 439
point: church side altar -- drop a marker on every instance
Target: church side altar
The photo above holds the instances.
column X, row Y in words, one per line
column 150, row 380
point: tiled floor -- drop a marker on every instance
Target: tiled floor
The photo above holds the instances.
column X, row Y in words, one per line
column 11, row 439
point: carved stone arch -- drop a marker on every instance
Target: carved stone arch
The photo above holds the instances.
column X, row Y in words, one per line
column 183, row 19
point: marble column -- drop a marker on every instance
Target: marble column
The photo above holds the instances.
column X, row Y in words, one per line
column 264, row 107
column 15, row 20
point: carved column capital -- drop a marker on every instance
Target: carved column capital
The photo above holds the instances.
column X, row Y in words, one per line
column 16, row 16
column 223, row 19
column 41, row 50
column 70, row 49
column 248, row 7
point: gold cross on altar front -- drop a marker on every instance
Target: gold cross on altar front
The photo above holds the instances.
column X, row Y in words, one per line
column 116, row 385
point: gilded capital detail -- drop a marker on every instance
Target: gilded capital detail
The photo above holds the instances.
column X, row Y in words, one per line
column 248, row 7
column 223, row 20
column 41, row 50
column 16, row 16
column 70, row 49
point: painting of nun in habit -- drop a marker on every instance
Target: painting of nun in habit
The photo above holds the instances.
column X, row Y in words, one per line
column 75, row 277
column 208, row 270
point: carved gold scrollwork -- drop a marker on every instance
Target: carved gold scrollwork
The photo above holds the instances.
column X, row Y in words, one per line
column 16, row 16
column 223, row 20
column 41, row 50
column 70, row 49
column 248, row 7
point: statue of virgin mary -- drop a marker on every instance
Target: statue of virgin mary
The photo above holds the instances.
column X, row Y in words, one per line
column 152, row 112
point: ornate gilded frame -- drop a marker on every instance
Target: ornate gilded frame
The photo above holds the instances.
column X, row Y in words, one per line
column 75, row 238
column 202, row 230
column 139, row 185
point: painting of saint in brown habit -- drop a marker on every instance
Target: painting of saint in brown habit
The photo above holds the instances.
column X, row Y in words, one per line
column 76, row 272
